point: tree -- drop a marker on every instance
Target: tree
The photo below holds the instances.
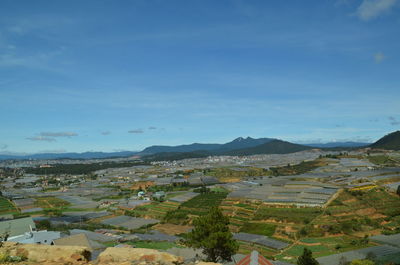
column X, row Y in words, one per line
column 307, row 258
column 211, row 233
column 398, row 190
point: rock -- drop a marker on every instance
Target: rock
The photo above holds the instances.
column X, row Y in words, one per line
column 140, row 256
column 46, row 254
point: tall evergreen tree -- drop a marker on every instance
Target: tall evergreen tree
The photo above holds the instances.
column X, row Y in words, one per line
column 307, row 258
column 211, row 233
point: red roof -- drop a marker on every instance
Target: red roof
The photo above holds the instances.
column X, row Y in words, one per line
column 254, row 258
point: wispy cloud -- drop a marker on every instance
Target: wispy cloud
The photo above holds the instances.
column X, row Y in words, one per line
column 370, row 9
column 137, row 131
column 58, row 134
column 3, row 146
column 106, row 133
column 41, row 138
column 379, row 57
column 393, row 120
column 152, row 128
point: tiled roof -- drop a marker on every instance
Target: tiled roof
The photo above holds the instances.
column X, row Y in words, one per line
column 254, row 258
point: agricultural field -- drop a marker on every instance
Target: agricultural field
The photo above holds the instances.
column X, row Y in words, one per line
column 298, row 169
column 156, row 210
column 239, row 212
column 225, row 174
column 383, row 160
column 50, row 202
column 6, row 207
column 323, row 246
column 258, row 228
column 287, row 215
column 194, row 207
column 359, row 213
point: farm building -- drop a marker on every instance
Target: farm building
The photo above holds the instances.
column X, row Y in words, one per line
column 17, row 227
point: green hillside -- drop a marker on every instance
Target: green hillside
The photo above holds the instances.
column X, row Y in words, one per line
column 388, row 142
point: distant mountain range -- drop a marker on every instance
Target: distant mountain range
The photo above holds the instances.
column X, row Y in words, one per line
column 239, row 146
column 238, row 143
column 338, row 144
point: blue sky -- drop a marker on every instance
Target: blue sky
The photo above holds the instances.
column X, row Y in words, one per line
column 123, row 75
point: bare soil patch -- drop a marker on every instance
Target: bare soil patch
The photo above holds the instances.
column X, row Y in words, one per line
column 366, row 211
column 172, row 229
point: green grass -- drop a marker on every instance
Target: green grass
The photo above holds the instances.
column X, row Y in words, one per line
column 198, row 205
column 218, row 189
column 258, row 228
column 205, row 200
column 50, row 202
column 382, row 160
column 6, row 207
column 297, row 250
column 295, row 215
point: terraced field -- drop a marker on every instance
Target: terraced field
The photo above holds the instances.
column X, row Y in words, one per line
column 322, row 246
column 239, row 212
column 6, row 207
column 50, row 202
column 194, row 207
column 155, row 210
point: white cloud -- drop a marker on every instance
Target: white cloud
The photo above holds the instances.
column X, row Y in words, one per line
column 370, row 9
column 379, row 57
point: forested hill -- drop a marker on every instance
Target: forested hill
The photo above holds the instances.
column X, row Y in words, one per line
column 388, row 142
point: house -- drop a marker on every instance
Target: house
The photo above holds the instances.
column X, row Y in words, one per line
column 36, row 237
column 17, row 227
column 159, row 196
column 254, row 258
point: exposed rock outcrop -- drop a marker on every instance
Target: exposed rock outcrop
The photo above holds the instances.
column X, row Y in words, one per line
column 45, row 254
column 140, row 255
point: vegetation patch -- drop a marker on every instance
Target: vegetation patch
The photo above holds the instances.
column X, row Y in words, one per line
column 288, row 215
column 197, row 206
column 6, row 207
column 258, row 228
column 50, row 202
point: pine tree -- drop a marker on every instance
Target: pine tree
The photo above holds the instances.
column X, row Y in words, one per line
column 307, row 258
column 211, row 233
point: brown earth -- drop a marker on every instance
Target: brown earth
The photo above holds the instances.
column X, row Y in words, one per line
column 366, row 211
column 350, row 200
column 71, row 255
column 342, row 214
column 172, row 229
